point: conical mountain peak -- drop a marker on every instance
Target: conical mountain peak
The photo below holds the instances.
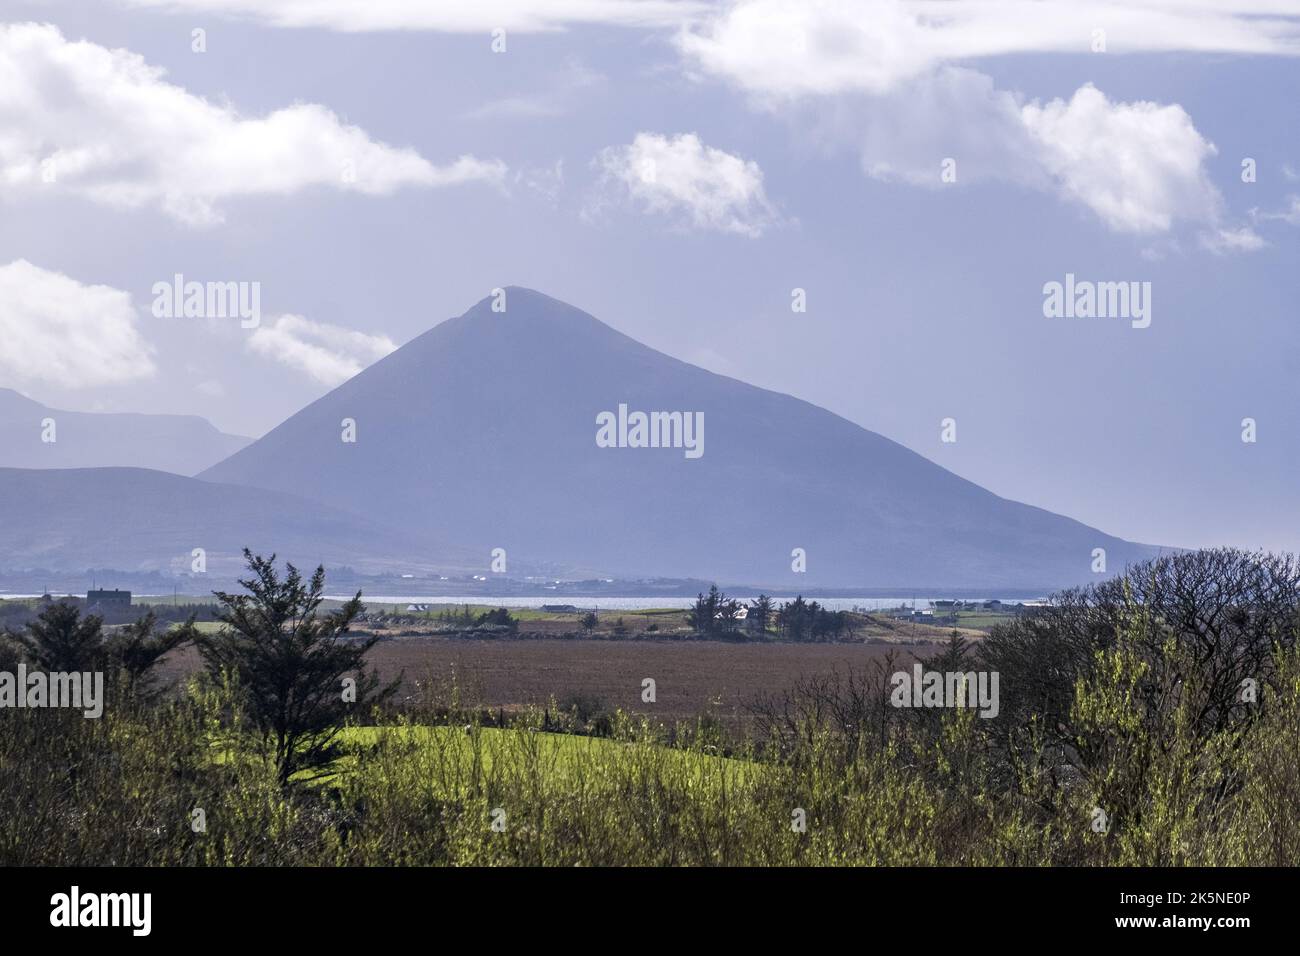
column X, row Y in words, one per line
column 515, row 426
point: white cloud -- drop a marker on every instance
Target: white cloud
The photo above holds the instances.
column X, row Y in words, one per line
column 107, row 127
column 784, row 49
column 1289, row 215
column 468, row 16
column 953, row 113
column 1226, row 240
column 881, row 74
column 1139, row 166
column 681, row 176
column 54, row 329
column 328, row 353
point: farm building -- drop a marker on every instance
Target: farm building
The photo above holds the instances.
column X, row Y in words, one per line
column 108, row 598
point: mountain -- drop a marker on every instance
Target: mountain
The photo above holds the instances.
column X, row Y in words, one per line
column 132, row 519
column 181, row 444
column 483, row 431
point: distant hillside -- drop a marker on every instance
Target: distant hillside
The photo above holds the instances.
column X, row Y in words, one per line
column 181, row 444
column 131, row 519
column 483, row 431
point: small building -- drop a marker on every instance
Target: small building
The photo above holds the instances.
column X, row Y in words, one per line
column 108, row 598
column 742, row 613
column 560, row 608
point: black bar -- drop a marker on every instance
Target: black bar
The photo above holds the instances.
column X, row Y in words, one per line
column 926, row 907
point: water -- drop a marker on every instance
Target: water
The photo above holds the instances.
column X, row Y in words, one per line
column 643, row 603
column 608, row 603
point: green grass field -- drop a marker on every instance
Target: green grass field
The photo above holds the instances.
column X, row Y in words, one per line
column 523, row 614
column 461, row 752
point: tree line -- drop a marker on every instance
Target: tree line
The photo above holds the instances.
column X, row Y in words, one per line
column 716, row 616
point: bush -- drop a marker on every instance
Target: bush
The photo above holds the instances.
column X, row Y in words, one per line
column 498, row 618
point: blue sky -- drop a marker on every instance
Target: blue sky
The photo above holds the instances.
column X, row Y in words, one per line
column 677, row 169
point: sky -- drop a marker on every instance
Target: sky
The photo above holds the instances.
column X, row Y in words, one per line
column 914, row 174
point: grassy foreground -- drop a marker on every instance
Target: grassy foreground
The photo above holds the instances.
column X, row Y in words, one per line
column 140, row 786
column 1151, row 720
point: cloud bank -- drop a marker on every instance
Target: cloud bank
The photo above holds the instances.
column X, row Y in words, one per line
column 470, row 16
column 104, row 125
column 785, row 49
column 58, row 331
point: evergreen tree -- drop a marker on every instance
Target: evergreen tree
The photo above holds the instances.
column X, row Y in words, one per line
column 292, row 664
column 60, row 639
column 760, row 613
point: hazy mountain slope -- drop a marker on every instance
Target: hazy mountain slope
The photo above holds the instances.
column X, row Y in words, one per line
column 483, row 429
column 181, row 444
column 132, row 519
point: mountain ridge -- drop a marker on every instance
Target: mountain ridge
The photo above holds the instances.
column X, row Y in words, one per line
column 137, row 519
column 179, row 444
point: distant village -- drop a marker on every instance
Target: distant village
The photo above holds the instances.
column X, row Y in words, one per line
column 951, row 612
